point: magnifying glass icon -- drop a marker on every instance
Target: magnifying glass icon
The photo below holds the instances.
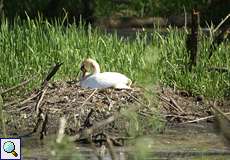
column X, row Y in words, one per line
column 9, row 147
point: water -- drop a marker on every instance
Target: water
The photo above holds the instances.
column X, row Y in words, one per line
column 190, row 141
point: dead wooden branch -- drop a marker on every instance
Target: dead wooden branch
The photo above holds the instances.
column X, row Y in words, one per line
column 198, row 120
column 220, row 38
column 221, row 23
column 44, row 127
column 222, row 122
column 218, row 111
column 51, row 73
column 88, row 98
column 202, row 119
column 41, row 96
column 61, row 130
column 22, row 102
column 87, row 122
column 40, row 118
column 172, row 103
column 17, row 86
column 85, row 133
column 192, row 40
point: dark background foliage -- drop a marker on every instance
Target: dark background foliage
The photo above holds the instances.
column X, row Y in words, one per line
column 211, row 10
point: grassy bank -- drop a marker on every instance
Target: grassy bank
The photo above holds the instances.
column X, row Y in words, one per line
column 28, row 49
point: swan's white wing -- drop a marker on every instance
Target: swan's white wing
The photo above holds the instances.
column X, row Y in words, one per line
column 106, row 80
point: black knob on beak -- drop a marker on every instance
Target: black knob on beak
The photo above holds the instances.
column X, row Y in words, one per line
column 83, row 69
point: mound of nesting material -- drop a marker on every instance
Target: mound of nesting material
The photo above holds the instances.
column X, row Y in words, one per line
column 180, row 106
column 69, row 100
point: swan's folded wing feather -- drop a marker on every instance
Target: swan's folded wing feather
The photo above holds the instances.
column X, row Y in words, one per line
column 106, row 80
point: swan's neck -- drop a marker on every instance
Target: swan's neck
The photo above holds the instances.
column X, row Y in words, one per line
column 96, row 67
column 85, row 75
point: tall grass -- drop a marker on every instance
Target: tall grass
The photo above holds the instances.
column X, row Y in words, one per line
column 2, row 119
column 29, row 48
column 173, row 66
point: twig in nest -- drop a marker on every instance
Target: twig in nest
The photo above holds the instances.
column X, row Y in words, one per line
column 17, row 86
column 41, row 96
column 86, row 132
column 220, row 112
column 223, row 122
column 40, row 118
column 173, row 102
column 61, row 131
column 21, row 102
column 208, row 117
column 88, row 98
column 51, row 73
column 110, row 102
column 136, row 99
column 87, row 122
column 198, row 120
column 44, row 127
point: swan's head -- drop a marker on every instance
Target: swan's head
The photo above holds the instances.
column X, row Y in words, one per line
column 84, row 75
column 89, row 64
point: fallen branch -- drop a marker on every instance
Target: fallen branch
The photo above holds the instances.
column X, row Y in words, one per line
column 173, row 102
column 220, row 112
column 53, row 70
column 41, row 96
column 21, row 102
column 88, row 98
column 40, row 118
column 198, row 120
column 192, row 40
column 85, row 133
column 44, row 127
column 221, row 23
column 61, row 131
column 202, row 119
column 87, row 122
column 223, row 122
column 17, row 86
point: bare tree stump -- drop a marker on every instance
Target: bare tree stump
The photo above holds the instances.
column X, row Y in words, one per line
column 192, row 40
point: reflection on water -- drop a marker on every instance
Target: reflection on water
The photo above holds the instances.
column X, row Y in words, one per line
column 191, row 141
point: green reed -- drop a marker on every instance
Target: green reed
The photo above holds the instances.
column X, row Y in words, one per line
column 30, row 47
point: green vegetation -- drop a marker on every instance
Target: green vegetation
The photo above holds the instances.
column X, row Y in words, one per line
column 2, row 119
column 29, row 47
column 147, row 7
column 141, row 149
column 64, row 150
column 104, row 8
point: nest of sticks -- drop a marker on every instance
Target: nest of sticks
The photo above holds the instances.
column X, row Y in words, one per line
column 98, row 111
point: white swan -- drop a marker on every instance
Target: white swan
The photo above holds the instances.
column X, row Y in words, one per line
column 101, row 80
